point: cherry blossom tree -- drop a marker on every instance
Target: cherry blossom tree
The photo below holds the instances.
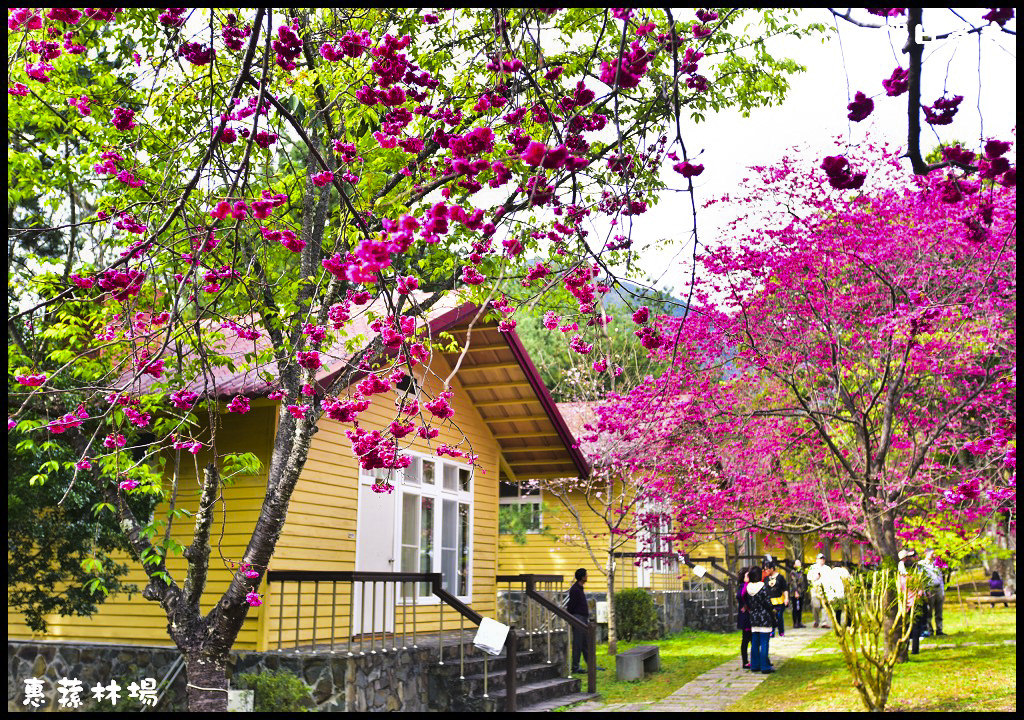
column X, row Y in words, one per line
column 849, row 370
column 264, row 179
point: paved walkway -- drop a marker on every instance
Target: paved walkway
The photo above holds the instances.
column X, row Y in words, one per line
column 717, row 689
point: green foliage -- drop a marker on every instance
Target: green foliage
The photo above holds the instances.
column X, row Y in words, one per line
column 570, row 376
column 277, row 691
column 59, row 553
column 519, row 519
column 635, row 615
column 872, row 622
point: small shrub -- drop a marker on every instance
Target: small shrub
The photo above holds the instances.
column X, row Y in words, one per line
column 636, row 617
column 277, row 691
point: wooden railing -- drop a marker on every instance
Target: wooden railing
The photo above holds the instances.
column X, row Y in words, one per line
column 405, row 589
column 534, row 587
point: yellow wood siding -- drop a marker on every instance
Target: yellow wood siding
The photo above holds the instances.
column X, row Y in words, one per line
column 560, row 549
column 320, row 533
column 124, row 619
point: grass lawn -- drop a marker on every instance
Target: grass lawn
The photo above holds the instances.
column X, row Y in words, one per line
column 684, row 656
column 975, row 679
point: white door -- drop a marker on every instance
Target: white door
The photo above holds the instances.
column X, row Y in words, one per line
column 373, row 604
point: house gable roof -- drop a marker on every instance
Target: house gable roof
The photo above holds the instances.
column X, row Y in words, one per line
column 495, row 370
column 506, row 389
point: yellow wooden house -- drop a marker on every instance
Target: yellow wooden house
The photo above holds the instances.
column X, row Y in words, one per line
column 442, row 516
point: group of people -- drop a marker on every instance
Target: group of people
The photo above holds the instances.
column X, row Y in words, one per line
column 762, row 599
column 764, row 594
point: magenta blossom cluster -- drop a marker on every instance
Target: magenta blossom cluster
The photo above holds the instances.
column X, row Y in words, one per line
column 233, row 35
column 861, row 107
column 351, row 45
column 23, row 18
column 840, row 174
column 627, row 70
column 172, row 17
column 196, row 53
column 942, row 110
column 123, row 119
column 287, row 46
column 897, row 83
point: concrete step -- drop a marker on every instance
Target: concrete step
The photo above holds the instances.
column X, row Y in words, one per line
column 555, row 703
column 538, row 692
column 474, row 664
column 525, row 675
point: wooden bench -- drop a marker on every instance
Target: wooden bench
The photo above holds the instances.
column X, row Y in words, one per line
column 990, row 600
column 633, row 664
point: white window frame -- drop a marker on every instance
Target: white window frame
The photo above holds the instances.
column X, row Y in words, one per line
column 437, row 491
column 525, row 500
column 657, row 543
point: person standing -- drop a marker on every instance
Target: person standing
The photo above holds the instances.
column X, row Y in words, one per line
column 816, row 576
column 835, row 589
column 798, row 592
column 577, row 606
column 743, row 616
column 761, row 619
column 937, row 589
column 778, row 593
column 915, row 601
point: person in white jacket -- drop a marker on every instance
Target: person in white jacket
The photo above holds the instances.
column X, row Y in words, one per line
column 817, row 574
column 937, row 591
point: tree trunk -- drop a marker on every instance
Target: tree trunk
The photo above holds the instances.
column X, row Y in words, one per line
column 732, row 564
column 207, row 682
column 613, row 637
column 795, row 548
column 1004, row 533
column 882, row 534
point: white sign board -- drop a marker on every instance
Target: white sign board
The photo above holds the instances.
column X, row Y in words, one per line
column 491, row 636
column 602, row 611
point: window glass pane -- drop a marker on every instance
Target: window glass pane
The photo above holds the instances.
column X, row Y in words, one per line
column 449, row 529
column 464, row 478
column 506, row 518
column 450, row 477
column 410, row 519
column 428, row 472
column 463, row 589
column 511, row 490
column 410, row 539
column 448, row 579
column 408, row 565
column 426, row 541
column 412, row 473
column 449, row 533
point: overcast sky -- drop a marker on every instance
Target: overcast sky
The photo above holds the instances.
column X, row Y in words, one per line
column 814, row 115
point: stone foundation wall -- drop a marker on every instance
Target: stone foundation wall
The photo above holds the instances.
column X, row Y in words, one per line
column 671, row 608
column 407, row 680
column 92, row 664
